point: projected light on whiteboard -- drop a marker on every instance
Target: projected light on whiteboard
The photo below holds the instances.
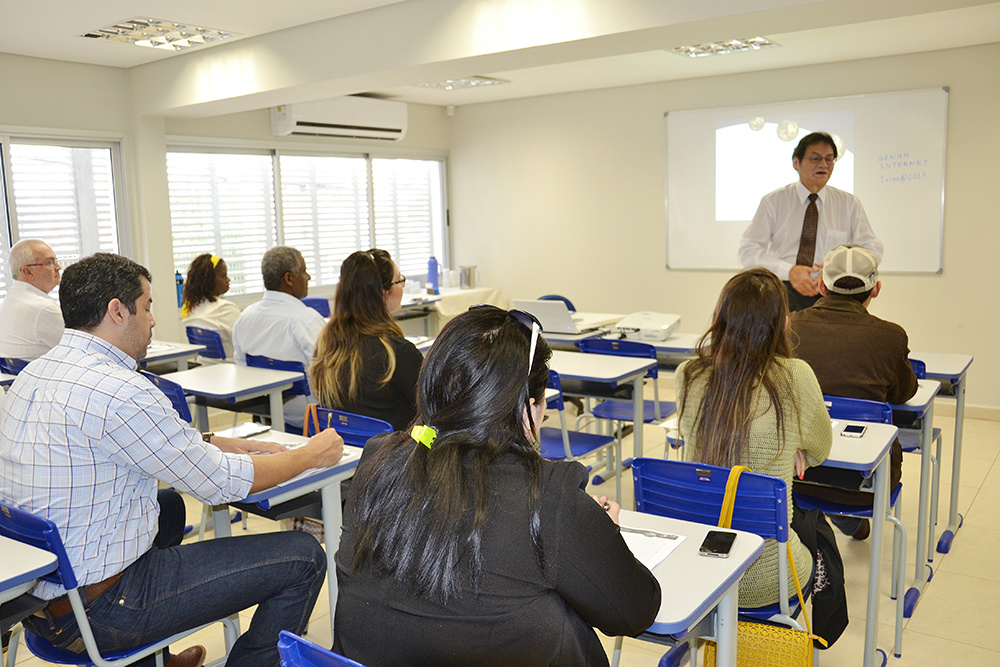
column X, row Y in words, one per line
column 753, row 156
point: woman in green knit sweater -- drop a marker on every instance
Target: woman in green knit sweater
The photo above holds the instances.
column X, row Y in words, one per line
column 745, row 401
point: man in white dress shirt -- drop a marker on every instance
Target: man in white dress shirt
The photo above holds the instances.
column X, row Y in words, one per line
column 779, row 239
column 280, row 326
column 31, row 322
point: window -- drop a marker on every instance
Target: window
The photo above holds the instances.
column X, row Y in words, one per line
column 64, row 194
column 409, row 212
column 324, row 210
column 224, row 204
column 327, row 206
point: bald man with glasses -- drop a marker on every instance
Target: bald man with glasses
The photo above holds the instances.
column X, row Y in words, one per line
column 795, row 226
column 31, row 322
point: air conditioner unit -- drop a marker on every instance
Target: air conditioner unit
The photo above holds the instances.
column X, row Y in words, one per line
column 343, row 117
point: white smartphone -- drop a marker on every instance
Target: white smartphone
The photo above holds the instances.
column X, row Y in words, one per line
column 854, row 430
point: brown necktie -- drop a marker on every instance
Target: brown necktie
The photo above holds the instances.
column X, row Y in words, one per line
column 807, row 245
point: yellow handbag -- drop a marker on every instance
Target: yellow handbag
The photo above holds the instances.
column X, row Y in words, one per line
column 759, row 644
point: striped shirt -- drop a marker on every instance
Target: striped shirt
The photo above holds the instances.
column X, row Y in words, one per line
column 83, row 441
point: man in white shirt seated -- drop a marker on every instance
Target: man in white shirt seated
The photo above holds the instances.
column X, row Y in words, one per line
column 31, row 323
column 795, row 226
column 280, row 326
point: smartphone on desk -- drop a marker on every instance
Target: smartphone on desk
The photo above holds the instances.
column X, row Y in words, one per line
column 717, row 544
column 854, row 430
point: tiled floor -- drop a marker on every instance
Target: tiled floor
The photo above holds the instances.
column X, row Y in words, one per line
column 952, row 625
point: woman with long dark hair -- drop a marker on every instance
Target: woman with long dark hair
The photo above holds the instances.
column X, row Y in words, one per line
column 362, row 363
column 207, row 280
column 461, row 546
column 745, row 401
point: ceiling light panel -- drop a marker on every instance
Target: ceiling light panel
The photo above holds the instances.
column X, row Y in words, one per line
column 159, row 34
column 460, row 84
column 728, row 46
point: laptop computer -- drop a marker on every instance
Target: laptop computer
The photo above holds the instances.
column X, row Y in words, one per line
column 554, row 316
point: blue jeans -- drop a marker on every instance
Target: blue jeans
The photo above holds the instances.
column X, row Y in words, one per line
column 177, row 588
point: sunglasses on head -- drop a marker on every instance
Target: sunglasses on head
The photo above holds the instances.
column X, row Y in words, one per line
column 525, row 319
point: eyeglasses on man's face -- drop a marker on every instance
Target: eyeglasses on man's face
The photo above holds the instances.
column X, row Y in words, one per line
column 401, row 281
column 48, row 264
column 816, row 158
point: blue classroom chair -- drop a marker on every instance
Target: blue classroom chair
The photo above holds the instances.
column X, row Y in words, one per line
column 43, row 534
column 210, row 339
column 298, row 652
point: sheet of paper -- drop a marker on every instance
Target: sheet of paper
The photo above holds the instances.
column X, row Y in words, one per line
column 650, row 547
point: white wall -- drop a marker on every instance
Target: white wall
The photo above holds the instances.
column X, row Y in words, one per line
column 565, row 194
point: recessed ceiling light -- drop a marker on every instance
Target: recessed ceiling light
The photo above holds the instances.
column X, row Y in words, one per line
column 467, row 82
column 159, row 34
column 729, row 46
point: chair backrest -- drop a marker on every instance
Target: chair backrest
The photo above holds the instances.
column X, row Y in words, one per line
column 556, row 297
column 318, row 303
column 621, row 348
column 919, row 369
column 41, row 533
column 695, row 491
column 210, row 339
column 12, row 365
column 354, row 429
column 858, row 409
column 173, row 391
column 298, row 652
column 556, row 402
column 300, row 387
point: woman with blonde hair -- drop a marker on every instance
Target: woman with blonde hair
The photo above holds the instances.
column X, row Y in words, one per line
column 745, row 401
column 362, row 363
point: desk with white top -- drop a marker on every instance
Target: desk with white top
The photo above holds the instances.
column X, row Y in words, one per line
column 950, row 370
column 868, row 455
column 7, row 380
column 693, row 587
column 21, row 565
column 610, row 370
column 325, row 480
column 233, row 382
column 922, row 407
column 166, row 352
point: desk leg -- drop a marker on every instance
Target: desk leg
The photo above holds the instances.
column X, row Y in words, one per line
column 220, row 521
column 954, row 518
column 922, row 572
column 725, row 628
column 201, row 417
column 638, row 414
column 277, row 411
column 332, row 521
column 875, row 563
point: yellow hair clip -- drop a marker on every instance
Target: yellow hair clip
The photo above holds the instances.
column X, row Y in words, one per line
column 425, row 435
column 215, row 259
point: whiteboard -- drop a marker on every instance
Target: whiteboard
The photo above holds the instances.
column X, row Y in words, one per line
column 720, row 162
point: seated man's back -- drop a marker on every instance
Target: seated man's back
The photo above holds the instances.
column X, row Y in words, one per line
column 853, row 354
column 280, row 326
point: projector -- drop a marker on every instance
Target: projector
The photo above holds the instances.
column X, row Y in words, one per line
column 648, row 326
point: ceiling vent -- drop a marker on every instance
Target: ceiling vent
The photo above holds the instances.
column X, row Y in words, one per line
column 343, row 117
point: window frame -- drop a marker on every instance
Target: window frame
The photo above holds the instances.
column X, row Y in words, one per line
column 307, row 147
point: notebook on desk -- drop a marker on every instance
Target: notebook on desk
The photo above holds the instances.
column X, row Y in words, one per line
column 555, row 316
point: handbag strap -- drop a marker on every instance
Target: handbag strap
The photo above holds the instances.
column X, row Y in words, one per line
column 729, row 500
column 310, row 414
column 798, row 592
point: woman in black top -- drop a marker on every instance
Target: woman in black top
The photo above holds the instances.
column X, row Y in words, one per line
column 362, row 363
column 460, row 545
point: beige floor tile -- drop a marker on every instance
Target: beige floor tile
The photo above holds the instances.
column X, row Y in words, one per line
column 959, row 607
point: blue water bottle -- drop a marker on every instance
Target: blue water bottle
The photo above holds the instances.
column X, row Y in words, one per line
column 432, row 275
column 179, row 279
